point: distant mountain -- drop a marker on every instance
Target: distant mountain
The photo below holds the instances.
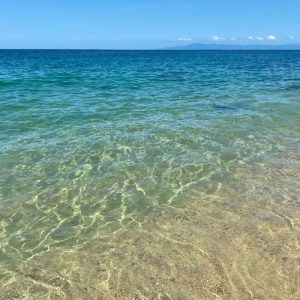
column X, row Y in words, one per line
column 234, row 47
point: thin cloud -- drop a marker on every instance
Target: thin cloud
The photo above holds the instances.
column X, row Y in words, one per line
column 271, row 37
column 256, row 38
column 217, row 38
column 185, row 39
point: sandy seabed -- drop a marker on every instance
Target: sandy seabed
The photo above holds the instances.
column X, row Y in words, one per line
column 240, row 243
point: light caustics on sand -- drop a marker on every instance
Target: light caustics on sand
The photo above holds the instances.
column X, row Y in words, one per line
column 140, row 175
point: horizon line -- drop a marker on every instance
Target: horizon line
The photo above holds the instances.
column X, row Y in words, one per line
column 243, row 47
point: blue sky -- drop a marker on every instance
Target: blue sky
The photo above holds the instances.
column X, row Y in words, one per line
column 146, row 24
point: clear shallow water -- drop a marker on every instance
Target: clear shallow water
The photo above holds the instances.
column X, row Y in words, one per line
column 187, row 158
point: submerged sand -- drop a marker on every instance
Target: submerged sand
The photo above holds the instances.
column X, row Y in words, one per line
column 240, row 243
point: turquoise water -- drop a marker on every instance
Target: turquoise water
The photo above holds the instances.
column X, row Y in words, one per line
column 93, row 143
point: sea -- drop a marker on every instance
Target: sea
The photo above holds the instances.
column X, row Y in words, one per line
column 149, row 174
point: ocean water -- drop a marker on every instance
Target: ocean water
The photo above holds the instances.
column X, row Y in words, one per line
column 149, row 174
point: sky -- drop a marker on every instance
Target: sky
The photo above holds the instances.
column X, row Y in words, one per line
column 146, row 24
